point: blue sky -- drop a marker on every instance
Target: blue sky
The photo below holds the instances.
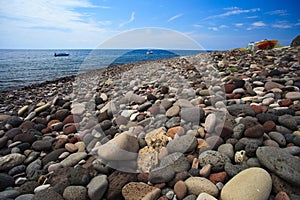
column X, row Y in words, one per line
column 213, row 24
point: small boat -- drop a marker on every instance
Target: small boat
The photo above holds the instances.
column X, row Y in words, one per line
column 149, row 52
column 61, row 54
column 266, row 44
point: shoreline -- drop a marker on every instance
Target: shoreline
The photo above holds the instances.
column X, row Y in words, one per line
column 212, row 125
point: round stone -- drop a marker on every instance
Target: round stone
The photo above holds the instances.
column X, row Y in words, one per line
column 253, row 183
column 198, row 185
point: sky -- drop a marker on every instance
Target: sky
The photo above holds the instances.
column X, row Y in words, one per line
column 88, row 24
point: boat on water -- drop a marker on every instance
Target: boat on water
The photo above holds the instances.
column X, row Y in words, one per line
column 149, row 52
column 61, row 54
column 262, row 45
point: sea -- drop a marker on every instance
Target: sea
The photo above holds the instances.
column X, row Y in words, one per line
column 20, row 67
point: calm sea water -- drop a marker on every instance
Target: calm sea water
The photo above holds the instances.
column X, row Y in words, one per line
column 19, row 68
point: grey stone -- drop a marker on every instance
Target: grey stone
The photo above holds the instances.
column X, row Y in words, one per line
column 97, row 187
column 9, row 194
column 227, row 149
column 73, row 159
column 161, row 174
column 237, row 109
column 47, row 194
column 194, row 114
column 215, row 158
column 33, row 168
column 278, row 137
column 6, row 181
column 25, row 197
column 183, row 144
column 177, row 161
column 75, row 192
column 288, row 121
column 281, row 163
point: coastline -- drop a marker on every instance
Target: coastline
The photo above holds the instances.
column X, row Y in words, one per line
column 193, row 125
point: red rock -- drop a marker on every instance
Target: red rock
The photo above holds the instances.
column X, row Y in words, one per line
column 180, row 190
column 257, row 109
column 282, row 196
column 271, row 143
column 160, row 185
column 73, row 140
column 229, row 88
column 237, row 96
column 256, row 131
column 54, row 121
column 297, row 113
column 154, row 110
column 41, row 120
column 175, row 130
column 224, row 131
column 46, row 130
column 285, row 102
column 70, row 129
column 60, row 143
column 143, row 177
column 25, row 126
column 218, row 177
column 68, row 119
column 269, row 126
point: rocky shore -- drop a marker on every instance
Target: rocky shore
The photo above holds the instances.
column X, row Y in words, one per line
column 220, row 125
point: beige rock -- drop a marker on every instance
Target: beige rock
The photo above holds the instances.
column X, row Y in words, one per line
column 71, row 147
column 157, row 138
column 205, row 196
column 147, row 159
column 81, row 146
column 23, row 110
column 140, row 191
column 253, row 183
column 121, row 147
column 198, row 185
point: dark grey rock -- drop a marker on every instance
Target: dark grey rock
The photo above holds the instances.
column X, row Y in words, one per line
column 237, row 109
column 183, row 144
column 53, row 156
column 263, row 117
column 296, row 41
column 9, row 194
column 48, row 194
column 278, row 137
column 28, row 187
column 233, row 170
column 3, row 141
column 17, row 170
column 25, row 197
column 33, row 170
column 161, row 174
column 288, row 121
column 6, row 181
column 14, row 121
column 215, row 158
column 281, row 163
column 97, row 187
column 12, row 133
column 79, row 176
column 174, row 121
column 177, row 161
column 75, row 192
column 11, row 160
column 42, row 145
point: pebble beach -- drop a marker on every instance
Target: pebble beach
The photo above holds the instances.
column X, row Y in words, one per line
column 220, row 125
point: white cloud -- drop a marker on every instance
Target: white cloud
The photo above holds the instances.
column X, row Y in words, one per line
column 258, row 24
column 278, row 12
column 239, row 24
column 223, row 26
column 132, row 18
column 174, row 17
column 198, row 25
column 252, row 17
column 50, row 24
column 213, row 28
column 232, row 8
column 282, row 24
column 232, row 12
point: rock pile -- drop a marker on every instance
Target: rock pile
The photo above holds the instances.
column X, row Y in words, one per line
column 220, row 125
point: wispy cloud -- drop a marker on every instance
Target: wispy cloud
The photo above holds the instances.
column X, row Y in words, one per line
column 232, row 8
column 239, row 24
column 252, row 17
column 258, row 24
column 132, row 18
column 213, row 28
column 278, row 12
column 223, row 26
column 175, row 17
column 234, row 11
column 197, row 25
column 282, row 24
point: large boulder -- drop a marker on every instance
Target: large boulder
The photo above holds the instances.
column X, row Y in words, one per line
column 296, row 41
